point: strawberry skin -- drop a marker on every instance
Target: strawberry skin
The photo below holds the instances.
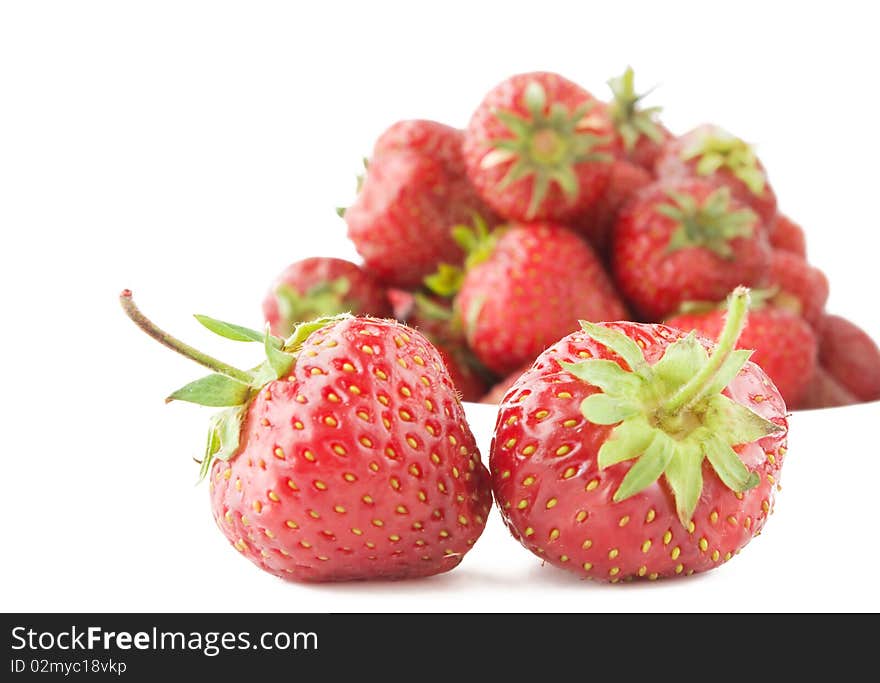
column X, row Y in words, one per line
column 538, row 148
column 823, row 391
column 850, row 356
column 597, row 222
column 711, row 153
column 539, row 280
column 788, row 236
column 800, row 287
column 785, row 345
column 559, row 503
column 322, row 286
column 427, row 138
column 359, row 465
column 497, row 393
column 712, row 245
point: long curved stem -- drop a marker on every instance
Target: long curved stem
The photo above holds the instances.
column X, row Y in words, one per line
column 147, row 325
column 737, row 307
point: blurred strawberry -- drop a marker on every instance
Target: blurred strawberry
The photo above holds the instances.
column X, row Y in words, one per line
column 321, row 287
column 788, row 236
column 850, row 356
column 539, row 148
column 685, row 240
column 639, row 136
column 800, row 287
column 724, row 160
column 823, row 391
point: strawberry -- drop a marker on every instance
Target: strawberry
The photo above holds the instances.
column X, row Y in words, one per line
column 597, row 222
column 784, row 345
column 635, row 451
column 638, row 136
column 413, row 192
column 525, row 286
column 850, row 356
column 499, row 390
column 800, row 287
column 427, row 138
column 345, row 455
column 434, row 319
column 788, row 236
column 724, row 160
column 683, row 241
column 538, row 148
column 823, row 391
column 321, row 287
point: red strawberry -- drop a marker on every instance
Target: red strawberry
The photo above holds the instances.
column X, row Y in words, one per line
column 788, row 236
column 413, row 192
column 499, row 390
column 850, row 356
column 801, row 288
column 434, row 319
column 685, row 241
column 823, row 391
column 639, row 137
column 785, row 346
column 320, row 287
column 712, row 153
column 346, row 455
column 596, row 223
column 529, row 290
column 427, row 138
column 627, row 451
column 538, row 148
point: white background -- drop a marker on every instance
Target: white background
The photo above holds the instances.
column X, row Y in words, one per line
column 190, row 150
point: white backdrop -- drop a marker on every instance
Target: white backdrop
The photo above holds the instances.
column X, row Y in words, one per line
column 189, row 150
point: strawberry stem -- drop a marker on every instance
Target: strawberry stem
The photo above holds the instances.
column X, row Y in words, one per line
column 147, row 325
column 693, row 391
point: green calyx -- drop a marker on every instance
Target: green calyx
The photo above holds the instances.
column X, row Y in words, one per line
column 323, row 300
column 228, row 387
column 711, row 225
column 630, row 119
column 671, row 416
column 716, row 148
column 477, row 242
column 546, row 145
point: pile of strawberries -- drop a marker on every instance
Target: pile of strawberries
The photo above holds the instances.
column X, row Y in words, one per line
column 552, row 207
column 580, row 258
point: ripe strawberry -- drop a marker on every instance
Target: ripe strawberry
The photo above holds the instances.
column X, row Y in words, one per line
column 345, row 455
column 434, row 319
column 413, row 192
column 538, row 148
column 784, row 345
column 823, row 391
column 801, row 288
column 638, row 136
column 685, row 241
column 427, row 138
column 321, row 287
column 529, row 288
column 788, row 236
column 499, row 390
column 627, row 451
column 597, row 222
column 850, row 356
column 712, row 153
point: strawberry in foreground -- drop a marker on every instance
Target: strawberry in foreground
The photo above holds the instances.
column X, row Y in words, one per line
column 635, row 451
column 320, row 287
column 724, row 160
column 785, row 346
column 538, row 148
column 686, row 241
column 524, row 287
column 345, row 455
